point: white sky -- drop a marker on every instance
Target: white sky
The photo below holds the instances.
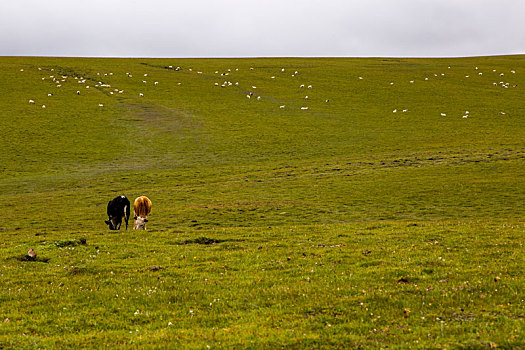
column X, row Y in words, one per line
column 250, row 28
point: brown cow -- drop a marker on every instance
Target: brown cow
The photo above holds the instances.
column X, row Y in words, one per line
column 141, row 210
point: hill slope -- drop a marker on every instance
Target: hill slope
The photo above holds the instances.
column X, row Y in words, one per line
column 347, row 159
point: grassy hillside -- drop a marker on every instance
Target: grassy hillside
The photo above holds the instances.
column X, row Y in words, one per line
column 232, row 150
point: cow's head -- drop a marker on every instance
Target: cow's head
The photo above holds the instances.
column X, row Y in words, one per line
column 140, row 223
column 114, row 222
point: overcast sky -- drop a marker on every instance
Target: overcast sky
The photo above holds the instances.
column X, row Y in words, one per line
column 250, row 28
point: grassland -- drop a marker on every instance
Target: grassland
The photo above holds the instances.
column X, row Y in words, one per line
column 342, row 225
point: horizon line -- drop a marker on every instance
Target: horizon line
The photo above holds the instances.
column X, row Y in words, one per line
column 260, row 57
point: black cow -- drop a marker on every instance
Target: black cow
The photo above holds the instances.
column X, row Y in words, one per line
column 118, row 208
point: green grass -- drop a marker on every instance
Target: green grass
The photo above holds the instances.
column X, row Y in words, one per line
column 345, row 225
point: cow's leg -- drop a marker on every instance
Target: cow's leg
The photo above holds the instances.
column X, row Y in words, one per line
column 126, row 215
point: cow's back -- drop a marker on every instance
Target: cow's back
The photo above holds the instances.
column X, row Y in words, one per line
column 118, row 206
column 142, row 206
